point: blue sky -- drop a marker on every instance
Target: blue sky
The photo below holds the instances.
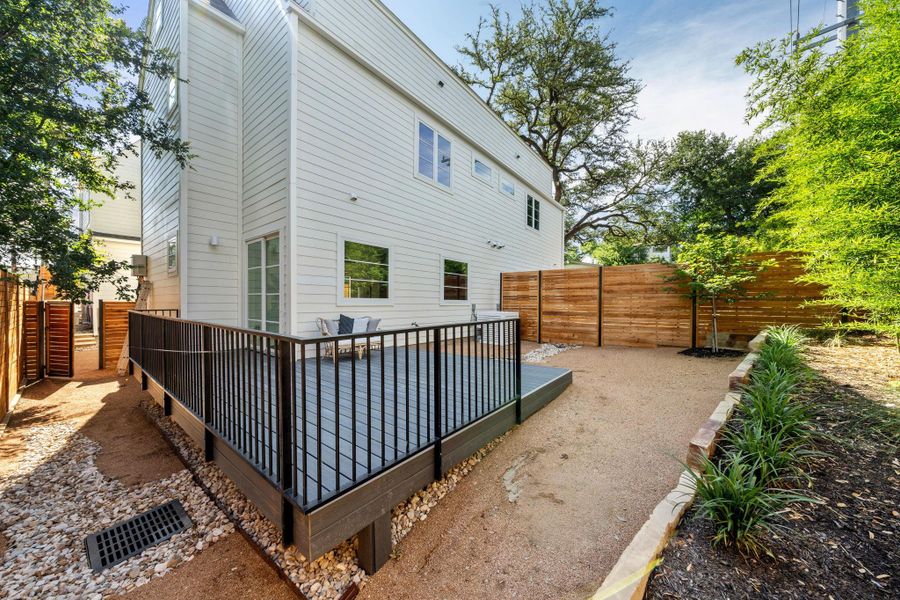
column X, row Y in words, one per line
column 682, row 50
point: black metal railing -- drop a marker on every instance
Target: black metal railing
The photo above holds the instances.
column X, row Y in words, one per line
column 164, row 312
column 317, row 416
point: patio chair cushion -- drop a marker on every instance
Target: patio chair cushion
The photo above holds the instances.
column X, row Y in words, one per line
column 373, row 325
column 331, row 326
column 345, row 325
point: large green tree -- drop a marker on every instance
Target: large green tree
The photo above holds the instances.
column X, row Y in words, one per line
column 835, row 151
column 554, row 77
column 715, row 182
column 70, row 107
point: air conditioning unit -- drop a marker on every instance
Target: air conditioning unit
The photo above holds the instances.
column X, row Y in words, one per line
column 139, row 265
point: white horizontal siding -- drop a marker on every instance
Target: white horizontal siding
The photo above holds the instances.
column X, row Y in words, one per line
column 213, row 183
column 121, row 215
column 161, row 177
column 357, row 137
column 372, row 31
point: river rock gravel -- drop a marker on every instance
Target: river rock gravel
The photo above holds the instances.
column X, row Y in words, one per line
column 56, row 497
column 545, row 351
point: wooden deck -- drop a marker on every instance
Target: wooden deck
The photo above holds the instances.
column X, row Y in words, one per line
column 385, row 412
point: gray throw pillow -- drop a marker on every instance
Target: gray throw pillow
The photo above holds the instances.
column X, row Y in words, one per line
column 373, row 325
column 345, row 325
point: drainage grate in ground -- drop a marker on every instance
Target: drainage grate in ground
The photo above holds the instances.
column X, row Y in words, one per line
column 120, row 542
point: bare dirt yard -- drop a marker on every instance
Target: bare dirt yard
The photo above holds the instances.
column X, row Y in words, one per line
column 77, row 457
column 548, row 511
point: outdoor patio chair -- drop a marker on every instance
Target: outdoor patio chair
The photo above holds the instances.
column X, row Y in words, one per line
column 329, row 327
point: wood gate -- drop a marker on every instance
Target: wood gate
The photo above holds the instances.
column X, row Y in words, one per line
column 113, row 331
column 49, row 339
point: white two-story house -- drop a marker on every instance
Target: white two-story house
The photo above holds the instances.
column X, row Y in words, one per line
column 341, row 167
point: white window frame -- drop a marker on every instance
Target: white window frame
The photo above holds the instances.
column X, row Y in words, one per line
column 157, row 18
column 341, row 300
column 507, row 180
column 535, row 224
column 172, row 255
column 486, row 179
column 172, row 92
column 443, row 258
column 263, row 291
column 438, row 133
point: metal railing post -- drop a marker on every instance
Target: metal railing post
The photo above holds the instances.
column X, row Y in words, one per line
column 285, row 423
column 206, row 347
column 518, row 359
column 438, row 452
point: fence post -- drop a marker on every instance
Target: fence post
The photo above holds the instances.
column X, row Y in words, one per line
column 438, row 452
column 285, row 405
column 694, row 319
column 518, row 371
column 100, row 333
column 41, row 334
column 599, row 306
column 540, row 311
column 206, row 347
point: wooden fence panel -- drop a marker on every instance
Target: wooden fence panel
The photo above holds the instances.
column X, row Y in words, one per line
column 520, row 293
column 33, row 344
column 570, row 306
column 113, row 329
column 12, row 294
column 643, row 306
column 775, row 299
column 60, row 339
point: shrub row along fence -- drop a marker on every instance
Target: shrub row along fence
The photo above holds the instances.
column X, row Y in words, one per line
column 646, row 306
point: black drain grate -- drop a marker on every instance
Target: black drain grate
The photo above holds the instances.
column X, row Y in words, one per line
column 128, row 538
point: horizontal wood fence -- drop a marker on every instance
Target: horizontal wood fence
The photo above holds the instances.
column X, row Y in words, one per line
column 12, row 294
column 646, row 306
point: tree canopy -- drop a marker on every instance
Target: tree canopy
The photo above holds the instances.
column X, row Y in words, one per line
column 70, row 107
column 554, row 77
column 834, row 152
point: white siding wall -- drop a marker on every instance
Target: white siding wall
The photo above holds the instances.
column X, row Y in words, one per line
column 265, row 118
column 371, row 30
column 115, row 250
column 161, row 178
column 213, row 182
column 121, row 215
column 357, row 136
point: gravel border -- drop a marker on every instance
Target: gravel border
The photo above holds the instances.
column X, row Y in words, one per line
column 545, row 351
column 330, row 576
column 56, row 496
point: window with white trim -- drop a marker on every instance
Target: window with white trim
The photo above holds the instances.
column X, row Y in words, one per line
column 157, row 18
column 482, row 170
column 507, row 186
column 367, row 271
column 172, row 93
column 433, row 156
column 533, row 212
column 264, row 284
column 172, row 255
column 455, row 280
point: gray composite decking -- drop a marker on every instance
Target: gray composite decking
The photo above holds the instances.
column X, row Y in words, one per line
column 373, row 413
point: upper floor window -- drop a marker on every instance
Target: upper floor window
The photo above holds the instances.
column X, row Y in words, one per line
column 157, row 18
column 172, row 93
column 172, row 255
column 456, row 280
column 366, row 271
column 433, row 160
column 507, row 186
column 482, row 170
column 533, row 212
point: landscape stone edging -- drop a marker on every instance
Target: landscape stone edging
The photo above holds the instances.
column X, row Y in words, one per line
column 629, row 576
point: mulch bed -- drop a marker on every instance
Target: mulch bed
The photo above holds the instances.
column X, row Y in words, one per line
column 846, row 547
column 708, row 353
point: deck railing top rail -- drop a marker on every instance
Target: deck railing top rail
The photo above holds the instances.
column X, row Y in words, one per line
column 318, row 416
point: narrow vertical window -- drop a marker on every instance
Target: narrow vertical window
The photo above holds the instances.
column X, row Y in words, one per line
column 264, row 285
column 172, row 255
column 533, row 212
column 456, row 280
column 173, row 93
column 433, row 156
column 157, row 17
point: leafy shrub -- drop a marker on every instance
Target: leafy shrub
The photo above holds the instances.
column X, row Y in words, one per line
column 741, row 507
column 769, row 403
column 777, row 455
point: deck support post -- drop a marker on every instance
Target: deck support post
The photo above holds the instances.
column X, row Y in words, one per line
column 518, row 329
column 144, row 382
column 167, row 404
column 131, row 367
column 286, row 423
column 438, row 451
column 206, row 346
column 375, row 544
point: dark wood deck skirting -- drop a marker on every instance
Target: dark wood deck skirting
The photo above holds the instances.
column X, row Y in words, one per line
column 323, row 528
